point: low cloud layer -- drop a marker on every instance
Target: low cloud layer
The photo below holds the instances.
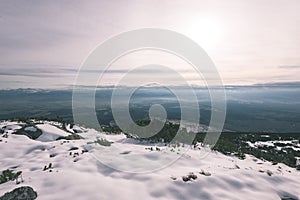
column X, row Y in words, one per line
column 289, row 67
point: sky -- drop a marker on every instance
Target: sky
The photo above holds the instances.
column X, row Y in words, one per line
column 44, row 43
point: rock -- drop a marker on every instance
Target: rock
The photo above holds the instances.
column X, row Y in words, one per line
column 287, row 196
column 189, row 177
column 192, row 176
column 269, row 173
column 84, row 151
column 205, row 173
column 52, row 155
column 73, row 148
column 125, row 152
column 185, row 178
column 21, row 193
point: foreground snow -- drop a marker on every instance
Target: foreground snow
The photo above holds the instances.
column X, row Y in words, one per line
column 77, row 174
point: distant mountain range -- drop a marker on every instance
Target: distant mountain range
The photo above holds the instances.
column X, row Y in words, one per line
column 273, row 107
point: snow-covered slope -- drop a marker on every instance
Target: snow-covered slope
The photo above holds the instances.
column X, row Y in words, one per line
column 50, row 132
column 78, row 174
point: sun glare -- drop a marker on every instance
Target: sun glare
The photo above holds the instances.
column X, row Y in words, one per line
column 205, row 31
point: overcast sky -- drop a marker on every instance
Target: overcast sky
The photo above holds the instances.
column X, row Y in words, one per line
column 43, row 43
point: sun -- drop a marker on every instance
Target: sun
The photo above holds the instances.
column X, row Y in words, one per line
column 206, row 31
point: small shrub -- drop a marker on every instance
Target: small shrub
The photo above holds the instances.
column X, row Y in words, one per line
column 73, row 136
column 9, row 175
column 31, row 134
column 48, row 167
column 24, row 192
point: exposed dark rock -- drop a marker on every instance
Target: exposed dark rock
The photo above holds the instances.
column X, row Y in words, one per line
column 269, row 173
column 189, row 177
column 186, row 179
column 192, row 176
column 84, row 151
column 125, row 152
column 287, row 196
column 73, row 148
column 205, row 173
column 52, row 155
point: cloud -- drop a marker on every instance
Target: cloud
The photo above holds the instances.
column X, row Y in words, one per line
column 44, row 70
column 289, row 67
column 280, row 84
column 64, row 33
column 31, row 72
